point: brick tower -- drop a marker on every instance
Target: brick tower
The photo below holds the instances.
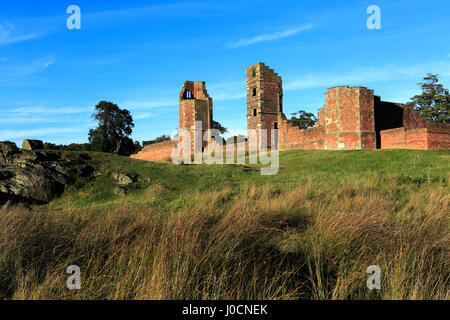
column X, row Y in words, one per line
column 195, row 105
column 349, row 119
column 264, row 99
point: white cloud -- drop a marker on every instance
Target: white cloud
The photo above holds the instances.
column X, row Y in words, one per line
column 8, row 35
column 227, row 90
column 49, row 111
column 40, row 110
column 183, row 8
column 361, row 76
column 142, row 116
column 11, row 72
column 147, row 104
column 269, row 36
column 36, row 133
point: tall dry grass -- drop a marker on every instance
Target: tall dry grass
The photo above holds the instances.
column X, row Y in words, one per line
column 253, row 243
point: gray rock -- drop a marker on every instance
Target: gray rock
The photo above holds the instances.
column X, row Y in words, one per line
column 30, row 145
column 34, row 183
column 25, row 157
column 124, row 178
column 37, row 176
column 120, row 191
column 7, row 151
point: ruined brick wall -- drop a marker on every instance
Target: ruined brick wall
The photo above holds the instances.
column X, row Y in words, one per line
column 195, row 105
column 412, row 119
column 419, row 139
column 264, row 98
column 352, row 119
column 438, row 139
column 321, row 118
column 416, row 132
column 292, row 137
column 349, row 119
column 161, row 151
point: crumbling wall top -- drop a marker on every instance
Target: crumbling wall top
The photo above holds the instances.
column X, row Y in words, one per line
column 194, row 90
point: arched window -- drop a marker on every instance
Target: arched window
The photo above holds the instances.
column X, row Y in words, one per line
column 254, row 92
column 254, row 112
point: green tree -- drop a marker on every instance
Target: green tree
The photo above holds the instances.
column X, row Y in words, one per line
column 156, row 140
column 114, row 128
column 303, row 119
column 218, row 126
column 434, row 102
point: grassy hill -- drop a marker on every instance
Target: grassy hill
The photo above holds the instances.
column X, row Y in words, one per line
column 226, row 232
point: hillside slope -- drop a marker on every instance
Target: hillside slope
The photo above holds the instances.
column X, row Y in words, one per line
column 226, row 232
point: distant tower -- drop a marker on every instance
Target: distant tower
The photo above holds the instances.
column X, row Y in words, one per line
column 264, row 99
column 195, row 105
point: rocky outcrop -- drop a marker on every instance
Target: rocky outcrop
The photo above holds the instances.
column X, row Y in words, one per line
column 31, row 145
column 38, row 176
column 124, row 178
column 120, row 191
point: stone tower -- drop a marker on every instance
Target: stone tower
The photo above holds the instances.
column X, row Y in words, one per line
column 195, row 105
column 264, row 99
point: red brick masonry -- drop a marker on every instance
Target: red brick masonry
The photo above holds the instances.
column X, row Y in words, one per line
column 423, row 139
column 161, row 151
column 353, row 118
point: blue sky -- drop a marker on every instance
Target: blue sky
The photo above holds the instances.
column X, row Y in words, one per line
column 137, row 54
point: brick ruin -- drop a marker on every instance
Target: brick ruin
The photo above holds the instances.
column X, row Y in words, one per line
column 194, row 105
column 353, row 118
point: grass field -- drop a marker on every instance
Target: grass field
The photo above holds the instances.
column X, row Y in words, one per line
column 226, row 232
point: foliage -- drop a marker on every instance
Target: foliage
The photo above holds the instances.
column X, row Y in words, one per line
column 216, row 125
column 114, row 128
column 434, row 102
column 156, row 140
column 303, row 119
column 70, row 147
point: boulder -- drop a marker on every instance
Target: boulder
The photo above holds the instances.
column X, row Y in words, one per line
column 25, row 157
column 37, row 176
column 120, row 191
column 7, row 151
column 31, row 145
column 33, row 183
column 124, row 178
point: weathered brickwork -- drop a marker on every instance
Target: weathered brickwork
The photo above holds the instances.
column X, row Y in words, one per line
column 353, row 118
column 194, row 105
column 161, row 151
column 349, row 119
column 423, row 138
column 264, row 99
column 291, row 137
